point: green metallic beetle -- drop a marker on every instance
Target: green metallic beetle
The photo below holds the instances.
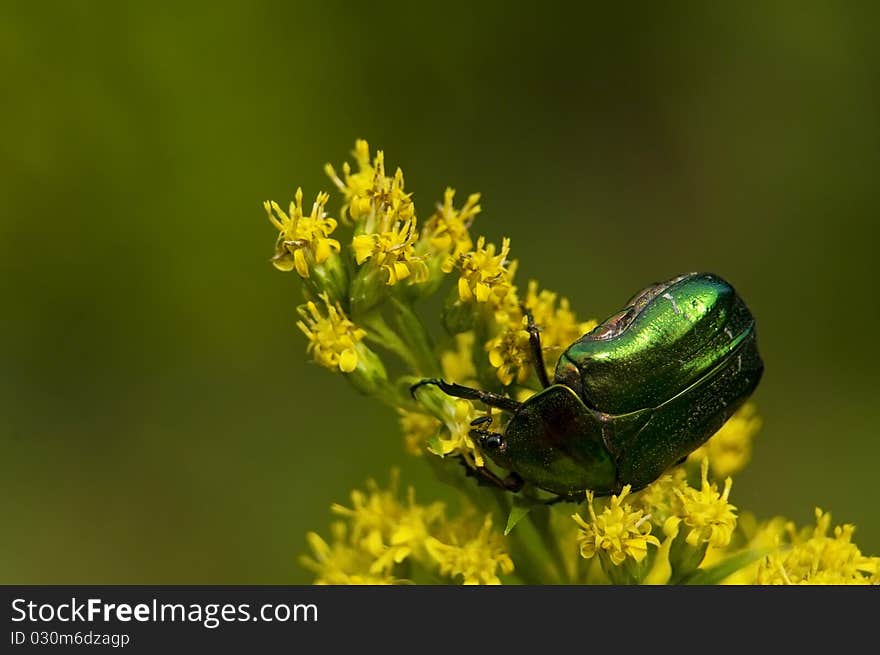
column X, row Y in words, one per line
column 629, row 399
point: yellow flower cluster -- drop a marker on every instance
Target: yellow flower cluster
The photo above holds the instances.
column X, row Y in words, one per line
column 620, row 531
column 381, row 540
column 475, row 559
column 386, row 217
column 356, row 187
column 393, row 251
column 705, row 512
column 509, row 351
column 691, row 519
column 388, row 247
column 339, row 562
column 303, row 241
column 812, row 556
column 455, row 439
column 486, row 277
column 333, row 338
column 417, row 429
column 448, row 230
column 364, row 289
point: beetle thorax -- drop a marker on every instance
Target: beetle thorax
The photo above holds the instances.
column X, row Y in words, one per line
column 569, row 375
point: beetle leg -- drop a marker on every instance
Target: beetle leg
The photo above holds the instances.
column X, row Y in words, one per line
column 537, row 352
column 459, row 391
column 511, row 482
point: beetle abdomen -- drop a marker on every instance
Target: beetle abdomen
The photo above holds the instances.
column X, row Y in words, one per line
column 683, row 423
column 670, row 336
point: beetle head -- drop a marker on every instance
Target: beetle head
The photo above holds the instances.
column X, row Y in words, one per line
column 494, row 445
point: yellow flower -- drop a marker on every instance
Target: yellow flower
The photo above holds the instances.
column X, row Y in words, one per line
column 369, row 193
column 417, row 428
column 619, row 532
column 455, row 439
column 765, row 536
column 558, row 324
column 511, row 356
column 333, row 339
column 385, row 528
column 393, row 251
column 477, row 559
column 706, row 512
column 510, row 351
column 730, row 449
column 356, row 187
column 303, row 241
column 448, row 230
column 660, row 499
column 816, row 558
column 378, row 532
column 485, row 276
column 389, row 199
column 340, row 563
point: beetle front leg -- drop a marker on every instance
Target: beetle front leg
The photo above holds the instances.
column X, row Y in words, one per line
column 512, row 482
column 537, row 351
column 459, row 391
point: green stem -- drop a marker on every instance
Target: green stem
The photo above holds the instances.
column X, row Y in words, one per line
column 386, row 394
column 540, row 519
column 379, row 333
column 416, row 337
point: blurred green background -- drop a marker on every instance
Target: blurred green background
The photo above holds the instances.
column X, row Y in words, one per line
column 159, row 422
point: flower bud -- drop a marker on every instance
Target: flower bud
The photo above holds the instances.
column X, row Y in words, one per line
column 367, row 289
column 369, row 377
column 329, row 278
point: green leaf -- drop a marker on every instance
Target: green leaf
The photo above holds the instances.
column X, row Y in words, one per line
column 715, row 574
column 517, row 513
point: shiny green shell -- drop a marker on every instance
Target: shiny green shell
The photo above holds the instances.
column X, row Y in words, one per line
column 638, row 393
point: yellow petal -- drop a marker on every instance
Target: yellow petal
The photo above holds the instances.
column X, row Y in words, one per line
column 402, row 270
column 299, row 260
column 464, row 290
column 322, row 251
column 283, row 262
column 363, row 247
column 442, row 242
column 348, row 361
